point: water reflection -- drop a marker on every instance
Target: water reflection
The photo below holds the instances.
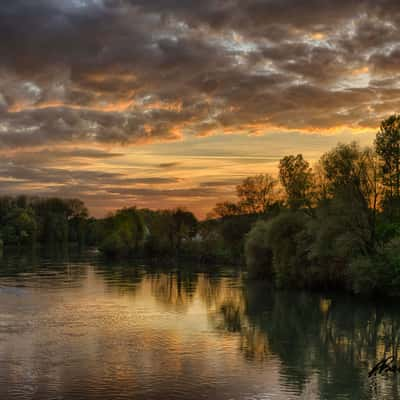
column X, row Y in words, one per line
column 79, row 328
column 330, row 341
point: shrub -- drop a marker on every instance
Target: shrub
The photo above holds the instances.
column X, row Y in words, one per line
column 113, row 245
column 279, row 247
column 379, row 273
column 258, row 252
column 287, row 239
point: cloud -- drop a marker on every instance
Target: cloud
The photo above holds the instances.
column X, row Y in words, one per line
column 80, row 78
column 144, row 71
column 221, row 183
column 168, row 164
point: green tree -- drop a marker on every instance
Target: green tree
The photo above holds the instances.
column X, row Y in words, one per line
column 387, row 145
column 168, row 231
column 280, row 247
column 258, row 251
column 351, row 181
column 20, row 226
column 296, row 178
column 124, row 233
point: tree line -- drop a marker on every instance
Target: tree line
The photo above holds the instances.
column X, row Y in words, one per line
column 338, row 223
column 333, row 224
column 54, row 222
column 49, row 221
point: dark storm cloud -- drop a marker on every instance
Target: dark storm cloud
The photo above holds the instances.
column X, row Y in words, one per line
column 141, row 71
column 387, row 61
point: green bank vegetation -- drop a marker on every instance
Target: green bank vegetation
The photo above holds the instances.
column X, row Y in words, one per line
column 340, row 221
column 335, row 224
column 54, row 222
column 26, row 221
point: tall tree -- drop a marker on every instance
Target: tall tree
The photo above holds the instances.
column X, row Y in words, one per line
column 387, row 145
column 347, row 168
column 351, row 181
column 256, row 194
column 296, row 178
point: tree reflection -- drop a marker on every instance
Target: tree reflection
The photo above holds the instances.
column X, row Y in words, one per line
column 31, row 268
column 326, row 342
column 335, row 339
column 175, row 288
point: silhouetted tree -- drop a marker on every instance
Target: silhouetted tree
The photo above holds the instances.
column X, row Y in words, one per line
column 225, row 209
column 387, row 145
column 256, row 194
column 296, row 178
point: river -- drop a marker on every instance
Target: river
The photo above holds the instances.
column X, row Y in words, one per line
column 76, row 327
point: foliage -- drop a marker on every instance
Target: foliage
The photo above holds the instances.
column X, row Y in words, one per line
column 351, row 237
column 168, row 231
column 387, row 145
column 279, row 247
column 47, row 221
column 335, row 225
column 379, row 274
column 256, row 194
column 225, row 209
column 233, row 230
column 296, row 178
column 124, row 233
column 258, row 251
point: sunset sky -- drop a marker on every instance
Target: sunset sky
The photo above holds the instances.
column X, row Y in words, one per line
column 165, row 103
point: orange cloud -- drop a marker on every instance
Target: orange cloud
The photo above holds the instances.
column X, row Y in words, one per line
column 118, row 106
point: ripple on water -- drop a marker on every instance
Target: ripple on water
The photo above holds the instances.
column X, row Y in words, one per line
column 85, row 330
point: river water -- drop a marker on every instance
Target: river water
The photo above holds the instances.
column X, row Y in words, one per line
column 80, row 328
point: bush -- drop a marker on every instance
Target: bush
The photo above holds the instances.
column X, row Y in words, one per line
column 123, row 233
column 258, row 252
column 378, row 274
column 287, row 238
column 280, row 247
column 113, row 245
column 364, row 275
column 392, row 259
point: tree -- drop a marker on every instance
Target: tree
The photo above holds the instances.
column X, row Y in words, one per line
column 351, row 179
column 347, row 168
column 225, row 209
column 279, row 247
column 258, row 251
column 387, row 144
column 168, row 231
column 76, row 209
column 77, row 215
column 256, row 194
column 297, row 180
column 19, row 226
column 124, row 233
column 184, row 226
column 233, row 231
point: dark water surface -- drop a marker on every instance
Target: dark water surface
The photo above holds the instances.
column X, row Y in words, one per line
column 79, row 328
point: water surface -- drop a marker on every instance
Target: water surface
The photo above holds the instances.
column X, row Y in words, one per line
column 79, row 328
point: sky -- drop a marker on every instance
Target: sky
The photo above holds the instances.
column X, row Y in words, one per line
column 166, row 103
